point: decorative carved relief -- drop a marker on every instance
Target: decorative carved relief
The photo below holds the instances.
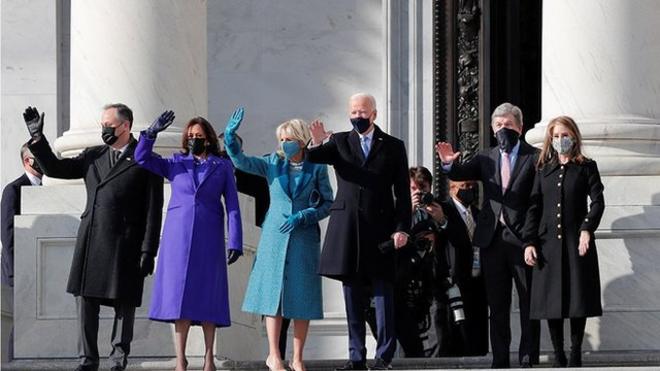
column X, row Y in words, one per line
column 442, row 95
column 467, row 82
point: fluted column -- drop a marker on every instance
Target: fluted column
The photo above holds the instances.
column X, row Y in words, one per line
column 148, row 54
column 601, row 66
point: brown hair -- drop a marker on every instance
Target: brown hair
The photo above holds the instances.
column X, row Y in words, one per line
column 420, row 175
column 211, row 137
column 123, row 112
column 548, row 153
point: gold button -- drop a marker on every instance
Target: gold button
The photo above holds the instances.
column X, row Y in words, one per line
column 559, row 236
column 561, row 176
column 559, row 226
column 562, row 167
column 586, row 219
column 559, row 184
column 558, row 215
column 559, row 205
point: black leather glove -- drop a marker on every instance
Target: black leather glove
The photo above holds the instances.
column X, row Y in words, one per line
column 232, row 256
column 34, row 122
column 146, row 264
column 161, row 123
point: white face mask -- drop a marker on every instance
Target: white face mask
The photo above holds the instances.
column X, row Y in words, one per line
column 562, row 145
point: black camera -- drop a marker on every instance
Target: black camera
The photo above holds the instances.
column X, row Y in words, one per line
column 425, row 199
column 418, row 244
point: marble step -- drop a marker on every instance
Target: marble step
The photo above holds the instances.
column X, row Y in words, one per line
column 646, row 360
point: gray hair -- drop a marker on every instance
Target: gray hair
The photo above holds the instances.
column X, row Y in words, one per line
column 366, row 96
column 123, row 112
column 507, row 109
column 25, row 152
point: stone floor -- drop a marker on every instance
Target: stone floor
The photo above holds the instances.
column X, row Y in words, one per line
column 594, row 361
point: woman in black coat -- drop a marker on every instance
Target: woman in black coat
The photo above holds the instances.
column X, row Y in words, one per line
column 559, row 237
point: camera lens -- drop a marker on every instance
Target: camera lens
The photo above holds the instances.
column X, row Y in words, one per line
column 456, row 303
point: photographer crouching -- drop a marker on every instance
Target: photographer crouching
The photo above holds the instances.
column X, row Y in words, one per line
column 423, row 278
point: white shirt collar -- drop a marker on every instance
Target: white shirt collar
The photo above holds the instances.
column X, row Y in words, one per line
column 461, row 209
column 122, row 149
column 35, row 180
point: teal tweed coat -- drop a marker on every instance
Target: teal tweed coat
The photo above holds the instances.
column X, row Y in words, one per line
column 285, row 271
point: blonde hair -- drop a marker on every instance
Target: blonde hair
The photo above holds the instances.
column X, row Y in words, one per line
column 548, row 153
column 294, row 129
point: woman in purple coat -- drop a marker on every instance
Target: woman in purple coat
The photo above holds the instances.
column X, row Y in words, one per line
column 191, row 278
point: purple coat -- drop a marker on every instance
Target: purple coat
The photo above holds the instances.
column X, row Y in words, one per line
column 191, row 276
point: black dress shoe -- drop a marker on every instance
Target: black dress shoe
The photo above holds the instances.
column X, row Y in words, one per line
column 380, row 364
column 526, row 362
column 575, row 360
column 559, row 360
column 352, row 365
column 117, row 368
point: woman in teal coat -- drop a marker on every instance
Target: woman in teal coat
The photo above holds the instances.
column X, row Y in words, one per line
column 284, row 281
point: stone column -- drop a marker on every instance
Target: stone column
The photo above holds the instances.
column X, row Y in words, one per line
column 150, row 55
column 601, row 66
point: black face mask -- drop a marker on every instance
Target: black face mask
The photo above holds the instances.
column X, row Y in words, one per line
column 197, row 146
column 360, row 124
column 35, row 166
column 466, row 196
column 507, row 139
column 108, row 135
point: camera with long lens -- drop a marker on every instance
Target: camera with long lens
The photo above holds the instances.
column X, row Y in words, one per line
column 456, row 303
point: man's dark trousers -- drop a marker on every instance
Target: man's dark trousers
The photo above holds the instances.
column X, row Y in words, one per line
column 356, row 299
column 502, row 261
column 88, row 321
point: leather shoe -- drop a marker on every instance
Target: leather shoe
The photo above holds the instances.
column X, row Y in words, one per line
column 117, row 368
column 526, row 362
column 380, row 364
column 352, row 365
column 559, row 360
column 575, row 359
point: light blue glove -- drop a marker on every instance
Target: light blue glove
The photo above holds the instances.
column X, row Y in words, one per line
column 232, row 145
column 292, row 221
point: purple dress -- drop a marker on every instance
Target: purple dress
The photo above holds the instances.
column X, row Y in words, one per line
column 191, row 275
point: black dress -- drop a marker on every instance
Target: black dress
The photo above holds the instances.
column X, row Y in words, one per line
column 565, row 284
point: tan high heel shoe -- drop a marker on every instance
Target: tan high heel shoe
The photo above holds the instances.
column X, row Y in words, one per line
column 274, row 367
column 291, row 366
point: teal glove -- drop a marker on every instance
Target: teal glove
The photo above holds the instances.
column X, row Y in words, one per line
column 292, row 221
column 231, row 142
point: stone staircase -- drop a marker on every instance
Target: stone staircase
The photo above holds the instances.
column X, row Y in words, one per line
column 594, row 361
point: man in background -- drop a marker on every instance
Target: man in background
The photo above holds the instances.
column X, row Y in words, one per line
column 11, row 206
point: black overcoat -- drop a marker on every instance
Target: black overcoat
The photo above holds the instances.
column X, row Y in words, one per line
column 564, row 284
column 372, row 202
column 122, row 219
column 11, row 206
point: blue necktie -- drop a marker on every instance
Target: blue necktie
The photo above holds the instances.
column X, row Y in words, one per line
column 364, row 143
